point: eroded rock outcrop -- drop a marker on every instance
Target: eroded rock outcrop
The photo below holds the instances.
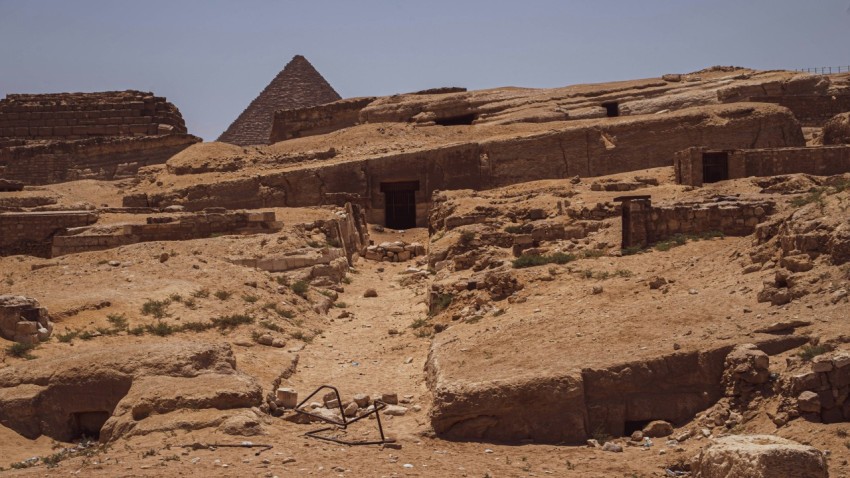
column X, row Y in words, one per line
column 114, row 392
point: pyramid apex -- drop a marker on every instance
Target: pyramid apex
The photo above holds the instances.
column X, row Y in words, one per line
column 298, row 85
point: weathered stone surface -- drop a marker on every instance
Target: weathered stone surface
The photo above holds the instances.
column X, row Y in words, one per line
column 837, row 129
column 23, row 319
column 759, row 456
column 114, row 392
column 658, row 429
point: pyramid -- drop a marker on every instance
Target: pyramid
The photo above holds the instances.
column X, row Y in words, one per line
column 298, row 85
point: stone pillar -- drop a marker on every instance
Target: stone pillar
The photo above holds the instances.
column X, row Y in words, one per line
column 636, row 210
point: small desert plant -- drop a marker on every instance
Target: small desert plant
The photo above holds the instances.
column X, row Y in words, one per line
column 232, row 321
column 67, row 336
column 160, row 329
column 340, row 305
column 531, row 260
column 222, row 294
column 250, row 298
column 21, row 350
column 195, row 326
column 300, row 288
column 175, row 297
column 466, row 237
column 119, row 321
column 809, row 352
column 139, row 330
column 631, row 250
column 201, row 293
column 157, row 308
column 190, row 303
column 418, row 323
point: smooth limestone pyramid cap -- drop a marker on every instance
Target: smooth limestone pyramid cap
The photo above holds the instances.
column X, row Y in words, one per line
column 298, row 85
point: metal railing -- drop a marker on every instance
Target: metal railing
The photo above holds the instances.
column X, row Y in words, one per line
column 825, row 70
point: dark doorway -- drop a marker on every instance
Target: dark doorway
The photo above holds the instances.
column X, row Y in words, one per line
column 631, row 426
column 400, row 204
column 715, row 167
column 88, row 424
column 456, row 120
column 612, row 109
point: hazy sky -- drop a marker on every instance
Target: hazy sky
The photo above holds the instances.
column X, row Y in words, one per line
column 212, row 57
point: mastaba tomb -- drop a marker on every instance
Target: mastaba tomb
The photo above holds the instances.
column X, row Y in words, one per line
column 50, row 138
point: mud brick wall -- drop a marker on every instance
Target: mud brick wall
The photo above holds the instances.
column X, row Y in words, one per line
column 322, row 119
column 31, row 233
column 819, row 161
column 83, row 115
column 645, row 224
column 810, row 110
column 169, row 229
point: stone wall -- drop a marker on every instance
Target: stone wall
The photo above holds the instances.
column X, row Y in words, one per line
column 645, row 224
column 82, row 115
column 179, row 228
column 32, row 232
column 297, row 123
column 106, row 158
column 23, row 320
column 572, row 148
column 810, row 110
column 742, row 163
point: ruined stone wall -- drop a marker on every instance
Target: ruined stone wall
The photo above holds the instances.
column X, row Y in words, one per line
column 82, row 115
column 182, row 228
column 623, row 144
column 820, row 161
column 810, row 110
column 106, row 158
column 32, row 233
column 298, row 123
column 645, row 224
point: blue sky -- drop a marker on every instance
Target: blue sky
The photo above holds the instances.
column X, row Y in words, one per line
column 211, row 58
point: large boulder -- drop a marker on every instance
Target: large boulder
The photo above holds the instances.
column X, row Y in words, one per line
column 759, row 456
column 837, row 129
column 112, row 392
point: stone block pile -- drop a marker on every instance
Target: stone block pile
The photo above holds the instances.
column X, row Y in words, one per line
column 398, row 251
column 23, row 320
column 822, row 387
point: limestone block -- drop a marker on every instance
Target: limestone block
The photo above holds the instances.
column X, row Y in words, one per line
column 286, row 397
column 759, row 456
column 809, row 401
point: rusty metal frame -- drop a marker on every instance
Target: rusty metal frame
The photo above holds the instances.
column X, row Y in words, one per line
column 345, row 422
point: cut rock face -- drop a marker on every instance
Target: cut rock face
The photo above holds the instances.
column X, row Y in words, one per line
column 759, row 456
column 23, row 320
column 110, row 393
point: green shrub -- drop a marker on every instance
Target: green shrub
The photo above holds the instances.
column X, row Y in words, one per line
column 190, row 303
column 300, row 288
column 250, row 298
column 195, row 326
column 176, row 297
column 136, row 331
column 532, row 260
column 86, row 335
column 418, row 323
column 592, row 253
column 631, row 250
column 466, row 237
column 67, row 336
column 809, row 352
column 20, row 350
column 222, row 294
column 157, row 308
column 232, row 321
column 340, row 305
column 119, row 321
column 160, row 329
